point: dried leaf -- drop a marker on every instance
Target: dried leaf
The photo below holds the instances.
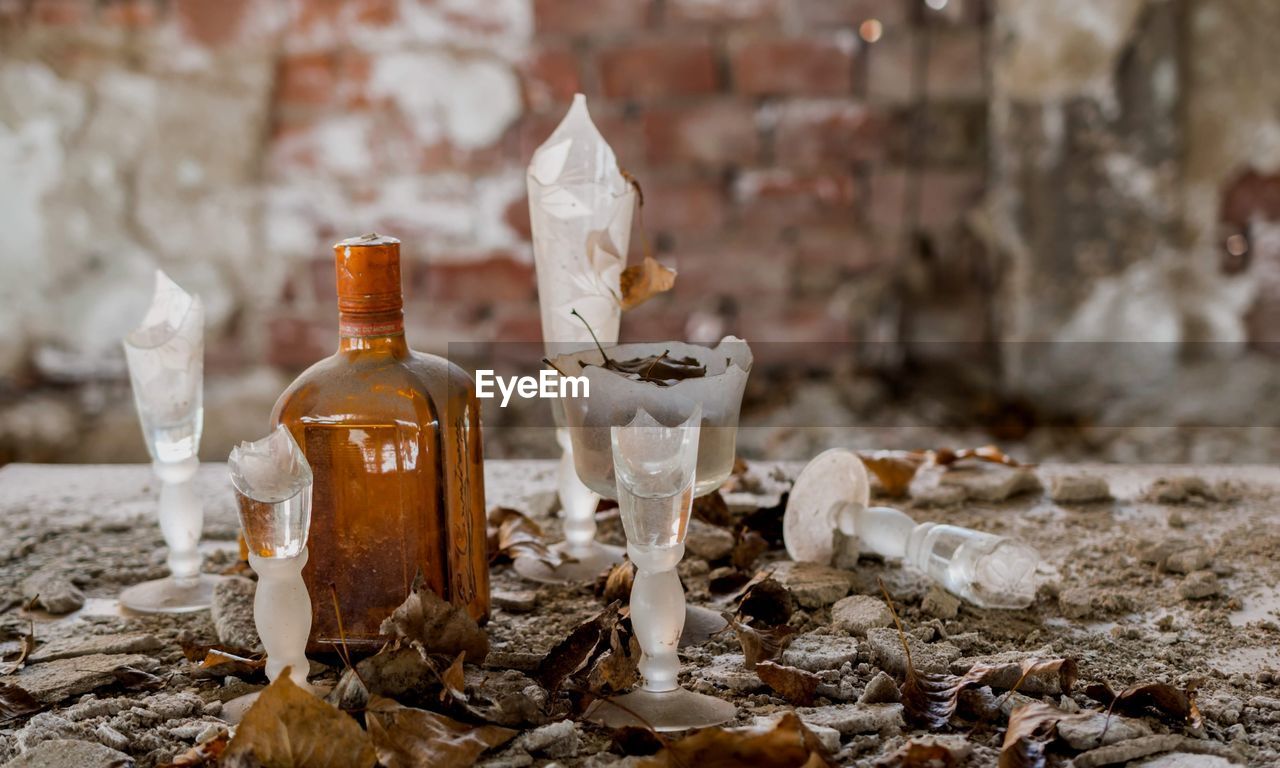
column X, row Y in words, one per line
column 202, row 755
column 426, row 622
column 760, row 644
column 27, row 644
column 766, row 601
column 512, row 534
column 916, row 754
column 1031, row 728
column 222, row 661
column 15, row 702
column 618, row 668
column 641, row 282
column 575, row 651
column 454, row 680
column 634, row 740
column 617, row 583
column 712, row 509
column 287, row 727
column 748, row 546
column 1178, row 706
column 725, row 580
column 789, row 744
column 404, row 737
column 767, row 521
column 136, row 679
column 894, row 469
column 989, row 453
column 795, row 685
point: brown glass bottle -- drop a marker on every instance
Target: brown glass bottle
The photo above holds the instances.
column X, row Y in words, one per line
column 393, row 439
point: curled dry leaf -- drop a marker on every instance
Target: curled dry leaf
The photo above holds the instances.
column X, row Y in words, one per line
column 574, row 652
column 136, row 679
column 221, row 660
column 789, row 744
column 1172, row 704
column 988, row 453
column 512, row 534
column 795, row 685
column 15, row 702
column 712, row 509
column 617, row 582
column 426, row 622
column 618, row 668
column 26, row 644
column 287, row 727
column 404, row 737
column 760, row 644
column 765, row 601
column 1031, row 728
column 453, row 680
column 203, row 755
column 634, row 740
column 894, row 469
column 748, row 546
column 641, row 282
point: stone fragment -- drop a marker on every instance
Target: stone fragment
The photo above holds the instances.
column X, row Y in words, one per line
column 54, row 681
column 1040, row 684
column 67, row 648
column 1078, row 489
column 515, row 600
column 858, row 614
column 829, row 737
column 811, row 584
column 817, row 653
column 882, row 689
column 1199, row 585
column 1184, row 760
column 1090, row 730
column 53, row 591
column 940, row 603
column 110, row 737
column 710, row 542
column 887, row 653
column 885, row 719
column 728, row 670
column 1084, row 602
column 69, row 753
column 992, row 482
column 555, row 740
column 1187, row 560
column 233, row 613
column 1180, row 490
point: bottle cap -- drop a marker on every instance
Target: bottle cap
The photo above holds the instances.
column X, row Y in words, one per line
column 368, row 269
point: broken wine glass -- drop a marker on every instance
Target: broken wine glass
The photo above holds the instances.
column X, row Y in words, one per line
column 833, row 494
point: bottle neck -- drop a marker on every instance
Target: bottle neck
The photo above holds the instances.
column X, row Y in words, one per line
column 372, row 332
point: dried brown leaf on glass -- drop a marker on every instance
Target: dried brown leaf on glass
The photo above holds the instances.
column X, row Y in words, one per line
column 512, row 534
column 288, row 727
column 617, row 669
column 759, row 644
column 1031, row 728
column 615, row 584
column 1170, row 703
column 427, row 622
column 203, row 755
column 405, row 737
column 16, row 702
column 712, row 509
column 573, row 653
column 788, row 744
column 797, row 686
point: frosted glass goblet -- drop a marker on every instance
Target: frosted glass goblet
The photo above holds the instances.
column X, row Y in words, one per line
column 655, row 466
column 580, row 209
column 273, row 494
column 833, row 494
column 165, row 356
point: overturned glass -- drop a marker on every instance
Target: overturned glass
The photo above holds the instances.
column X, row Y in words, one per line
column 655, row 466
column 580, row 209
column 165, row 356
column 833, row 494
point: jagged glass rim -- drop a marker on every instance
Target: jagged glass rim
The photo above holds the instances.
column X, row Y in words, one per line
column 193, row 306
column 247, row 446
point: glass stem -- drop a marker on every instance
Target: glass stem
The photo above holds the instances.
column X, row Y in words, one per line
column 282, row 614
column 181, row 520
column 657, row 614
column 577, row 500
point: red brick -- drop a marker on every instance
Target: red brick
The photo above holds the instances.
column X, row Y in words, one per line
column 295, row 342
column 780, row 198
column 517, row 217
column 211, row 23
column 824, row 14
column 135, row 14
column 723, row 11
column 659, row 69
column 550, row 78
column 793, row 335
column 306, row 79
column 683, row 207
column 1251, row 195
column 708, row 133
column 795, row 66
column 60, row 12
column 495, row 279
column 586, row 17
column 815, row 134
column 955, row 68
column 945, row 197
column 740, row 268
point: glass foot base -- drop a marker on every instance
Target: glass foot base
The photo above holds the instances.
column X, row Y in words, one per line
column 676, row 710
column 700, row 624
column 591, row 561
column 171, row 595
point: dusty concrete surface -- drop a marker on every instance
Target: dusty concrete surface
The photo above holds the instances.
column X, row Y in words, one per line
column 1172, row 579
